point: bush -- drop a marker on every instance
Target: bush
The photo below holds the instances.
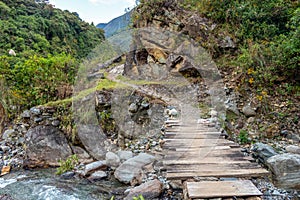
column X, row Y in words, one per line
column 67, row 165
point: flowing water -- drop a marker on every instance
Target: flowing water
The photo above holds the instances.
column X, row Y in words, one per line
column 45, row 185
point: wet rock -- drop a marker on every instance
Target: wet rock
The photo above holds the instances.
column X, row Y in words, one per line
column 263, row 151
column 248, row 111
column 67, row 175
column 149, row 190
column 125, row 155
column 94, row 166
column 98, row 175
column 45, row 146
column 286, row 170
column 131, row 170
column 293, row 149
column 112, row 160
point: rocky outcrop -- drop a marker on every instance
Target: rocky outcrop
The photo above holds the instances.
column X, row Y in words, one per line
column 149, row 190
column 286, row 170
column 45, row 146
column 131, row 170
column 262, row 151
column 128, row 114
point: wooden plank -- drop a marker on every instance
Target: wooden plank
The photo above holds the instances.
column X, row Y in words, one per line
column 203, row 160
column 237, row 173
column 214, row 189
column 212, row 167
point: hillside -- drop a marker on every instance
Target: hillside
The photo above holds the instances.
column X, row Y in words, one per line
column 116, row 25
column 256, row 49
column 40, row 47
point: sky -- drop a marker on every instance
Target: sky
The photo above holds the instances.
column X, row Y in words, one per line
column 97, row 11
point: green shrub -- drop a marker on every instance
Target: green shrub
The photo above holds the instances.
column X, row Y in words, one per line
column 67, row 165
column 243, row 137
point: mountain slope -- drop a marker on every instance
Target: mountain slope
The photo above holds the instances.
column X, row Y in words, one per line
column 116, row 25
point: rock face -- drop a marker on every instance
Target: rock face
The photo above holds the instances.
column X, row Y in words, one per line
column 286, row 169
column 263, row 151
column 45, row 146
column 131, row 170
column 148, row 190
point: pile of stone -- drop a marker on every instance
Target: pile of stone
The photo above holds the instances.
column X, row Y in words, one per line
column 284, row 166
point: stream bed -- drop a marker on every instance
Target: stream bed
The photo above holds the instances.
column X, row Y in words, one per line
column 45, row 185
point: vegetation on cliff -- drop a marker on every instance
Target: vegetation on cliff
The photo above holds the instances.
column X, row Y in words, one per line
column 40, row 48
column 260, row 58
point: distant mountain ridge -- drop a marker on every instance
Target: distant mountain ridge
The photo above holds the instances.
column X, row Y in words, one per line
column 116, row 25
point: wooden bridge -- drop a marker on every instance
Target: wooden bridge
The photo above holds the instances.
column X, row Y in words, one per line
column 207, row 164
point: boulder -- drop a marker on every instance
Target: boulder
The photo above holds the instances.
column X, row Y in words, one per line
column 131, row 170
column 286, row 170
column 149, row 190
column 94, row 141
column 262, row 151
column 112, row 159
column 45, row 146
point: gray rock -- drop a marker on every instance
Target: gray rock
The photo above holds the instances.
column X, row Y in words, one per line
column 112, row 160
column 45, row 146
column 248, row 111
column 131, row 170
column 38, row 119
column 25, row 114
column 133, row 108
column 293, row 149
column 263, row 151
column 94, row 140
column 149, row 190
column 55, row 123
column 83, row 156
column 35, row 111
column 286, row 170
column 98, row 175
column 8, row 134
column 94, row 166
column 250, row 120
column 67, row 175
column 125, row 155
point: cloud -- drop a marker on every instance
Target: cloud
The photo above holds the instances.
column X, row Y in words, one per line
column 113, row 2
